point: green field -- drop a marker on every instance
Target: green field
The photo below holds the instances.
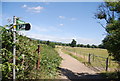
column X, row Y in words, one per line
column 97, row 58
column 95, row 51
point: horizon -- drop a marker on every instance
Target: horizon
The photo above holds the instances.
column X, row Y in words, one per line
column 58, row 21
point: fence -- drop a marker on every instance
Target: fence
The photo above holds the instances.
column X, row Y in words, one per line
column 97, row 62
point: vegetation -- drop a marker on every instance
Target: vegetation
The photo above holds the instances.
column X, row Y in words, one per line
column 73, row 43
column 111, row 75
column 50, row 60
column 26, row 67
column 51, row 43
column 95, row 51
column 98, row 57
column 74, row 56
column 110, row 12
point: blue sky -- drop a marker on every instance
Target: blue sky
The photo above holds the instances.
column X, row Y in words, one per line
column 57, row 21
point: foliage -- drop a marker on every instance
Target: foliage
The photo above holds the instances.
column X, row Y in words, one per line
column 6, row 54
column 101, row 46
column 110, row 11
column 52, row 44
column 111, row 75
column 24, row 46
column 55, row 43
column 26, row 69
column 50, row 60
column 73, row 43
column 112, row 40
column 48, row 42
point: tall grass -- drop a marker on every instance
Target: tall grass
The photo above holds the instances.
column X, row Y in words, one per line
column 96, row 51
column 50, row 60
column 26, row 67
column 98, row 57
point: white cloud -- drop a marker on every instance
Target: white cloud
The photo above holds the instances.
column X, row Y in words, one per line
column 68, row 18
column 61, row 24
column 24, row 6
column 62, row 39
column 62, row 17
column 36, row 9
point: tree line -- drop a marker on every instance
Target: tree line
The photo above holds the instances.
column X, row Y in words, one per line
column 72, row 44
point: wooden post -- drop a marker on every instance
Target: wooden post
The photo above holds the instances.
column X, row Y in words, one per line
column 89, row 58
column 93, row 57
column 38, row 61
column 106, row 64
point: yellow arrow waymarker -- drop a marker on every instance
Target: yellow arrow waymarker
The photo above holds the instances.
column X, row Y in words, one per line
column 14, row 27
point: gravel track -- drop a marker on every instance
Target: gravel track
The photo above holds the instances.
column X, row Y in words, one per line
column 73, row 69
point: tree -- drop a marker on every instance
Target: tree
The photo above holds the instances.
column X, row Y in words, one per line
column 93, row 46
column 110, row 12
column 101, row 46
column 73, row 43
column 78, row 45
column 81, row 45
column 48, row 42
column 88, row 46
column 52, row 44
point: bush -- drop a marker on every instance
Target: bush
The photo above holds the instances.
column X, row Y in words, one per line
column 50, row 59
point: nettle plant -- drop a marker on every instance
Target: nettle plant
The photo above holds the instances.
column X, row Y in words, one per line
column 26, row 58
column 24, row 46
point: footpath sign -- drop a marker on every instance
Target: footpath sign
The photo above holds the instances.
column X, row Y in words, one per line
column 18, row 25
column 21, row 25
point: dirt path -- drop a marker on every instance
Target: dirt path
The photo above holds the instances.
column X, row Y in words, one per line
column 73, row 69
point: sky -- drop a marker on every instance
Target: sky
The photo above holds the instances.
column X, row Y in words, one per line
column 57, row 21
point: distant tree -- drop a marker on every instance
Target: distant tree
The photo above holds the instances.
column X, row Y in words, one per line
column 52, row 44
column 73, row 43
column 88, row 46
column 101, row 46
column 81, row 45
column 78, row 45
column 63, row 44
column 67, row 44
column 85, row 46
column 37, row 41
column 94, row 46
column 48, row 42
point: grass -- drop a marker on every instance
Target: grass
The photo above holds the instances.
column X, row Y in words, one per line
column 78, row 58
column 97, row 62
column 113, row 74
column 96, row 51
column 50, row 60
